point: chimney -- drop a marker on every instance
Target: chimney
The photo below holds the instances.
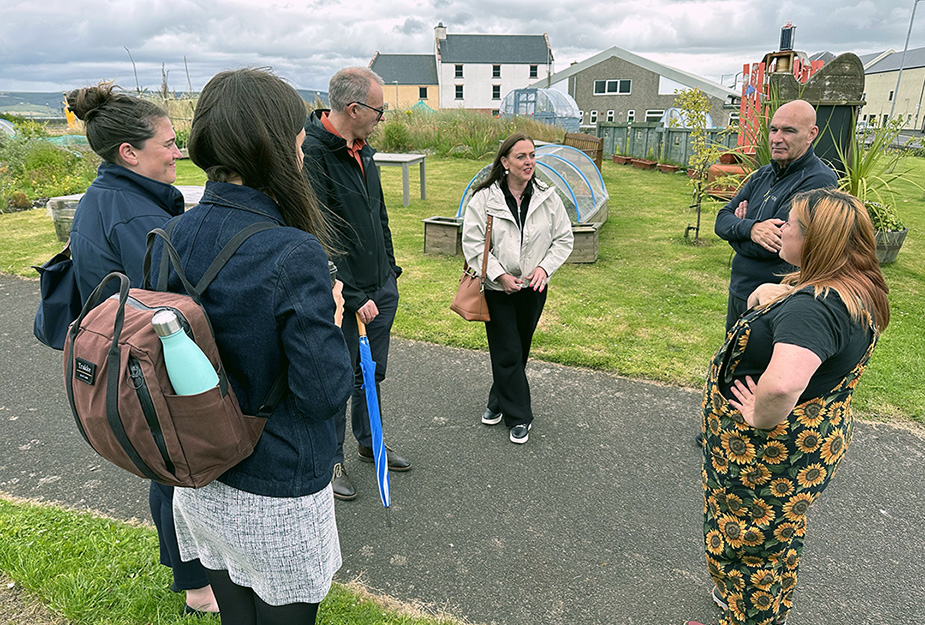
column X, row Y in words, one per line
column 440, row 31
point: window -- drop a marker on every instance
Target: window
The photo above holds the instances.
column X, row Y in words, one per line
column 422, row 93
column 581, row 116
column 459, row 71
column 593, row 118
column 459, row 92
column 631, row 116
column 653, row 115
column 610, row 115
column 733, row 119
column 496, row 92
column 533, row 71
column 496, row 71
column 608, row 87
column 890, row 99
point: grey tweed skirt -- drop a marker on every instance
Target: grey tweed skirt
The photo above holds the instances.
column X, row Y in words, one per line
column 285, row 549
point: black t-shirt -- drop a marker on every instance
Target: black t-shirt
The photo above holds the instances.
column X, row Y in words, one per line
column 822, row 326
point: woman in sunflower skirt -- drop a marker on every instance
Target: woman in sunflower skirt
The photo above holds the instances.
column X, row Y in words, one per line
column 776, row 406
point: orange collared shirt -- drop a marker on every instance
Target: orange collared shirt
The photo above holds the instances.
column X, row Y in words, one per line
column 352, row 150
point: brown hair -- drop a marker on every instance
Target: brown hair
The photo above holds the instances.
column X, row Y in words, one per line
column 497, row 169
column 839, row 252
column 112, row 119
column 245, row 126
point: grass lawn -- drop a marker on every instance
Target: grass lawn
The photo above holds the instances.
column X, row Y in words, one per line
column 652, row 306
column 98, row 571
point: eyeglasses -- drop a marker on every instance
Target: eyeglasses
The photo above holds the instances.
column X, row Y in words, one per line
column 379, row 112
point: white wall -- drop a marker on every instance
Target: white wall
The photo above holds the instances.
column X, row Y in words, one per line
column 477, row 83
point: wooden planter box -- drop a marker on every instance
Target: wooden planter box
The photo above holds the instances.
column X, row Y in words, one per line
column 62, row 213
column 622, row 160
column 665, row 168
column 585, row 247
column 443, row 235
column 643, row 163
column 888, row 244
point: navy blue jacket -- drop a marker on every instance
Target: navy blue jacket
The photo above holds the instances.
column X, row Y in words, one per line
column 111, row 222
column 271, row 306
column 354, row 195
column 768, row 191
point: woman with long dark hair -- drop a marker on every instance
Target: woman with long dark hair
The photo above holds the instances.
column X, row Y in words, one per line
column 132, row 194
column 265, row 529
column 531, row 237
column 777, row 404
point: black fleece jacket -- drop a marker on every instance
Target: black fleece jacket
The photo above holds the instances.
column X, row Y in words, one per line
column 354, row 197
column 768, row 192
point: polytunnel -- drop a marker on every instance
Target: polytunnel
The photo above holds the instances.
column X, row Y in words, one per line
column 575, row 177
column 549, row 106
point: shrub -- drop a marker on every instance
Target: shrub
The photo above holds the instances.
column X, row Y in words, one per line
column 396, row 137
column 19, row 201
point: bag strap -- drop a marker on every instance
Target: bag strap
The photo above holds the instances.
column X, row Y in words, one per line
column 281, row 384
column 487, row 245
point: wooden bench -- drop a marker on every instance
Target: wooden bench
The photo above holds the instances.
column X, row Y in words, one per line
column 589, row 144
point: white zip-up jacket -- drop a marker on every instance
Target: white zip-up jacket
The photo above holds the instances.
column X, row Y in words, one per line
column 547, row 234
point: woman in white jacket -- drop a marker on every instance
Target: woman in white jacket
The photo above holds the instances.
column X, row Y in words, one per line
column 531, row 237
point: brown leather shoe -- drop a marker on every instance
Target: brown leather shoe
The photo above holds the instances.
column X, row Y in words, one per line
column 343, row 487
column 396, row 462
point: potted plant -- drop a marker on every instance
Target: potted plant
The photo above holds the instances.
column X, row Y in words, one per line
column 620, row 159
column 869, row 161
column 667, row 168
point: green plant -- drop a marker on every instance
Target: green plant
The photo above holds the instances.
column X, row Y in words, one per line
column 396, row 136
column 869, row 161
column 696, row 108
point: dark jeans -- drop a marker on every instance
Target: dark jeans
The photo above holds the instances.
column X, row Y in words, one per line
column 510, row 334
column 239, row 605
column 186, row 575
column 378, row 331
column 734, row 310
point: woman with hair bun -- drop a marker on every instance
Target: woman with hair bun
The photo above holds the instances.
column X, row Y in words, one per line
column 132, row 194
column 777, row 403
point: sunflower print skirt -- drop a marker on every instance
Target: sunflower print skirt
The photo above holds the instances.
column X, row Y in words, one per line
column 759, row 484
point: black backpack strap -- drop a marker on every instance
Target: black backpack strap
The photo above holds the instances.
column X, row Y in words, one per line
column 276, row 394
column 162, row 271
column 228, row 251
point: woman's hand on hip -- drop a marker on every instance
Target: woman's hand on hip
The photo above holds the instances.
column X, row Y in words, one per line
column 510, row 283
column 745, row 393
column 537, row 279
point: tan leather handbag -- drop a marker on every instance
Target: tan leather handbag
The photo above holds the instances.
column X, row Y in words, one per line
column 469, row 302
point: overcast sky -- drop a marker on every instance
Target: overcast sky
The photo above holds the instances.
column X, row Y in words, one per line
column 52, row 45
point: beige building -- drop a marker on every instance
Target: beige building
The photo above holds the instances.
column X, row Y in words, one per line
column 409, row 79
column 882, row 95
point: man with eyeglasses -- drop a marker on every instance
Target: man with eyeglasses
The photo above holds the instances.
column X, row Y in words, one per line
column 339, row 164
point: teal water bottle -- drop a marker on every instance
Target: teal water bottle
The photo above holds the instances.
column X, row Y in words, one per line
column 188, row 368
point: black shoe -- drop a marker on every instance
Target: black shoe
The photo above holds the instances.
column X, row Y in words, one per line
column 490, row 417
column 343, row 487
column 699, row 440
column 396, row 462
column 519, row 433
column 718, row 599
column 188, row 611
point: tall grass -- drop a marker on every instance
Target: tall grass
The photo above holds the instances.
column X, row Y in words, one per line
column 454, row 133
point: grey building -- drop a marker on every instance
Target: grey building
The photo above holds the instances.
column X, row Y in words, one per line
column 408, row 78
column 618, row 86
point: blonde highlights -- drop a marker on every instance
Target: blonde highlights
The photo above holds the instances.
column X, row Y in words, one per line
column 839, row 252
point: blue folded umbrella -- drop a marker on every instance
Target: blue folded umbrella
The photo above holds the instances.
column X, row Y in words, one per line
column 368, row 367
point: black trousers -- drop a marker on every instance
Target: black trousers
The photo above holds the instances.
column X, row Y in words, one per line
column 241, row 605
column 510, row 334
column 379, row 333
column 186, row 575
column 734, row 310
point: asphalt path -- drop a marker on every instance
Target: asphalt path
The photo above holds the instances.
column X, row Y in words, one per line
column 597, row 519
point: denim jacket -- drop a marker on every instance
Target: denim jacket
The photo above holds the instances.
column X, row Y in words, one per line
column 270, row 307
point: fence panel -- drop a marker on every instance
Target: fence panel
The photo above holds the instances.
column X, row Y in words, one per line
column 653, row 140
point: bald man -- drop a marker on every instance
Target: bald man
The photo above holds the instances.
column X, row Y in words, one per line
column 751, row 221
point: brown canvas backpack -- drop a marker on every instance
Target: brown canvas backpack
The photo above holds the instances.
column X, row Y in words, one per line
column 120, row 394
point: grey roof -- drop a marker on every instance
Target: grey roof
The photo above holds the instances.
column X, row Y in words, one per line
column 825, row 56
column 495, row 49
column 890, row 63
column 405, row 69
column 691, row 80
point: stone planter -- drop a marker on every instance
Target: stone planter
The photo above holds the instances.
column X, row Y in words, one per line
column 443, row 235
column 62, row 213
column 643, row 163
column 888, row 244
column 665, row 168
column 622, row 160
